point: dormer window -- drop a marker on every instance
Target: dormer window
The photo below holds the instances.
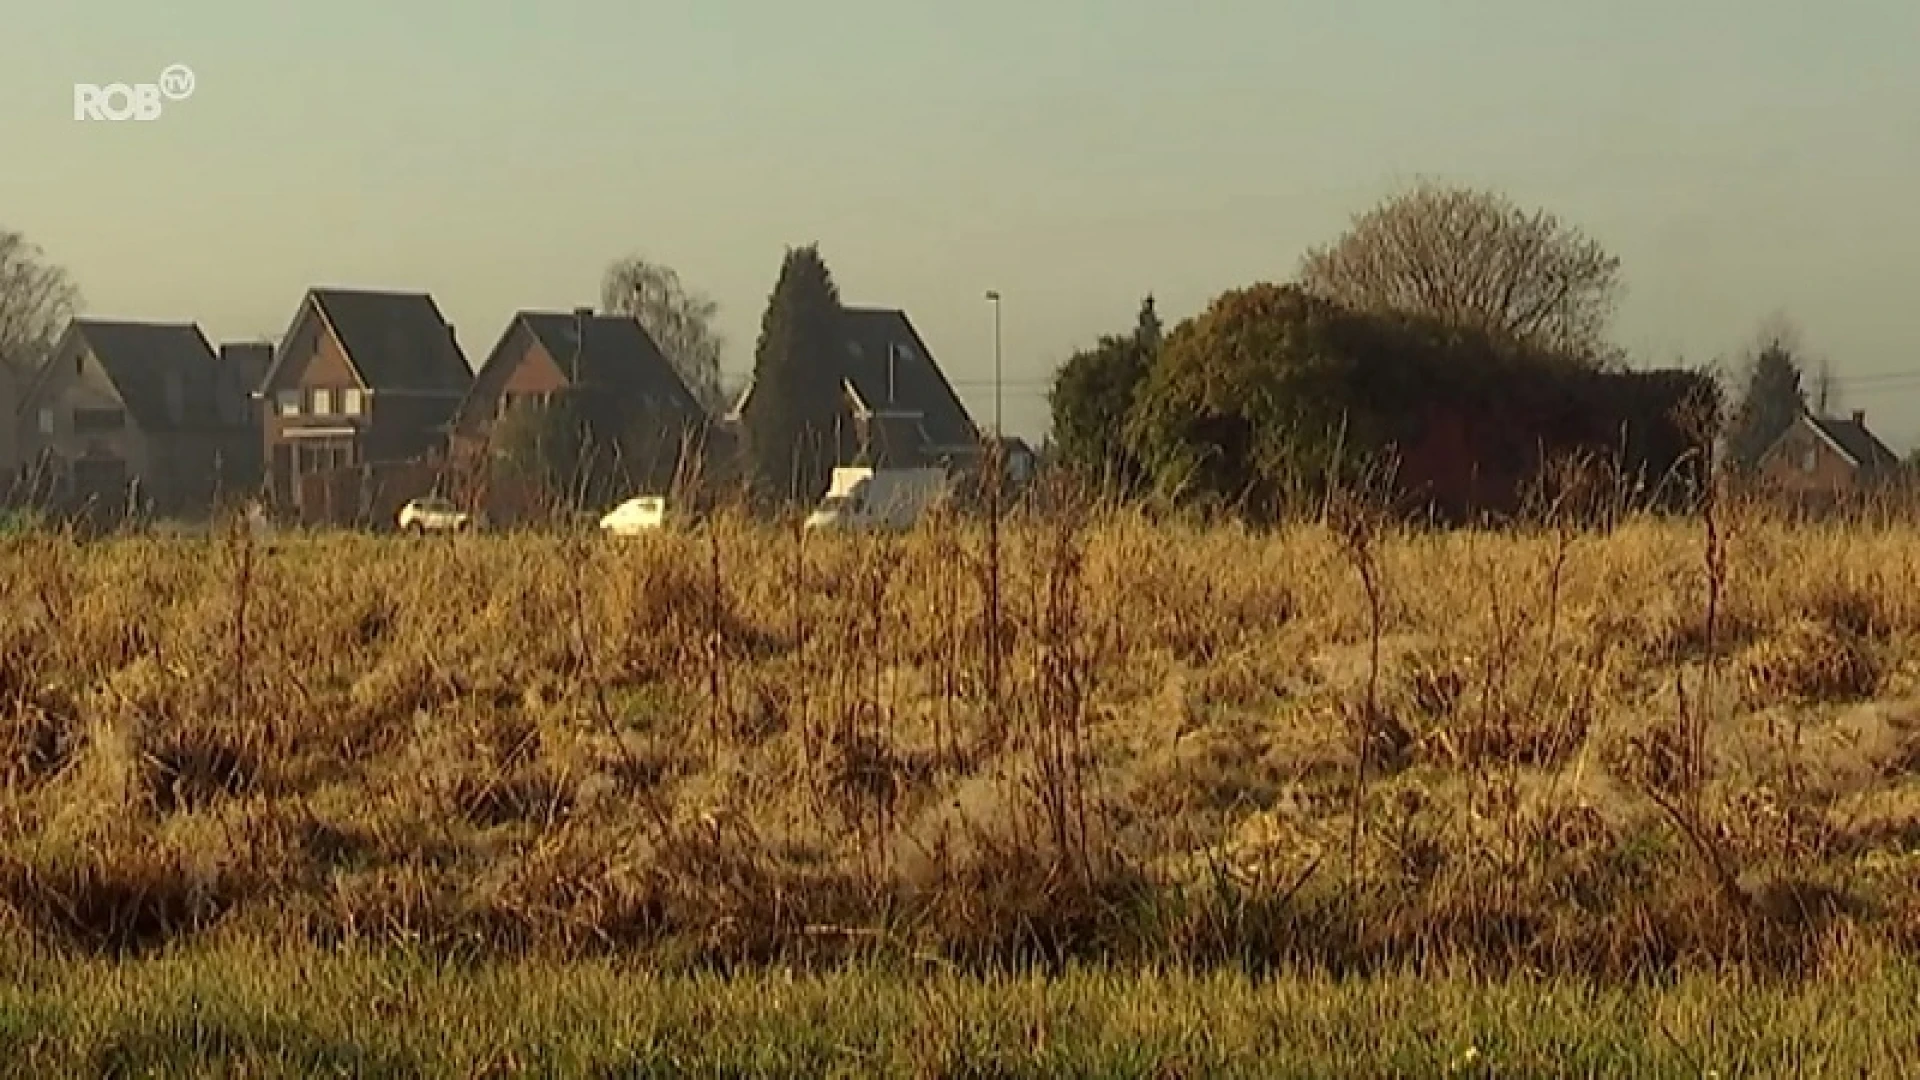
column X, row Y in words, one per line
column 287, row 402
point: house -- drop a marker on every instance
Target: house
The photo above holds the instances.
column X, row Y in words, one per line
column 136, row 414
column 543, row 354
column 363, row 382
column 629, row 386
column 1825, row 456
column 905, row 412
column 1019, row 462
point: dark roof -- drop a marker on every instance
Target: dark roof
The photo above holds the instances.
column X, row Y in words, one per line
column 620, row 356
column 1853, row 438
column 895, row 442
column 144, row 359
column 915, row 382
column 396, row 341
column 243, row 364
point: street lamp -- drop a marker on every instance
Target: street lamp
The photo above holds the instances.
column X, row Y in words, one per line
column 993, row 297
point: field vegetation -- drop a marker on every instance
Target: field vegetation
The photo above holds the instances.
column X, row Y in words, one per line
column 1337, row 746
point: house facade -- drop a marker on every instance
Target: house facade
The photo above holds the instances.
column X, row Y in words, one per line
column 904, row 411
column 363, row 382
column 544, row 355
column 136, row 416
column 614, row 373
column 1828, row 457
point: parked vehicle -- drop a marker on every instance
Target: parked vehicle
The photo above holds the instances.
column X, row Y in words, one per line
column 433, row 514
column 640, row 514
column 867, row 498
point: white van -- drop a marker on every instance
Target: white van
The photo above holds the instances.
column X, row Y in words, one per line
column 868, row 498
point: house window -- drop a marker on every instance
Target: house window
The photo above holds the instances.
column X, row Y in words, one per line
column 97, row 421
column 324, row 457
column 352, row 403
column 323, row 403
column 46, row 421
column 1809, row 458
column 288, row 402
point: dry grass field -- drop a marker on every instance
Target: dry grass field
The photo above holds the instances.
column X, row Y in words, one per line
column 726, row 745
column 1608, row 757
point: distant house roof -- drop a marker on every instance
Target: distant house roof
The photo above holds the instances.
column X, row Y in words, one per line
column 895, row 442
column 1853, row 441
column 395, row 340
column 166, row 373
column 243, row 364
column 620, row 355
column 891, row 369
column 890, row 373
column 1015, row 446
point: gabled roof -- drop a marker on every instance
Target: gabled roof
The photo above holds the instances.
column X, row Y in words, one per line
column 895, row 442
column 1859, row 444
column 1851, row 440
column 394, row 340
column 143, row 360
column 891, row 370
column 619, row 356
column 888, row 372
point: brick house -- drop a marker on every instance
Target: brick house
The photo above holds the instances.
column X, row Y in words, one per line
column 1828, row 457
column 137, row 415
column 364, row 384
column 627, row 382
column 905, row 413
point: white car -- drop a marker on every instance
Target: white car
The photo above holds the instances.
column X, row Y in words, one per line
column 646, row 513
column 433, row 514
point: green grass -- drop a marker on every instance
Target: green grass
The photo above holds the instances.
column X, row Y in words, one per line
column 239, row 1009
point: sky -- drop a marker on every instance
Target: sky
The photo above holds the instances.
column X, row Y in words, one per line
column 1746, row 159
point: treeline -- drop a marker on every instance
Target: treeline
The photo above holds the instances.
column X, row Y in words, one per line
column 1445, row 352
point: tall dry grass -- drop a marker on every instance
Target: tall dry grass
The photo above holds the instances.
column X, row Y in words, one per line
column 1078, row 735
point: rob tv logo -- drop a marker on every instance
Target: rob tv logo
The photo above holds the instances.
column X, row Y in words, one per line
column 116, row 102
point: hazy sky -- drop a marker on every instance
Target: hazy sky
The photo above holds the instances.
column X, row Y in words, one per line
column 1742, row 157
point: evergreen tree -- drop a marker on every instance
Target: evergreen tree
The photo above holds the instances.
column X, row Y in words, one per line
column 796, row 423
column 1149, row 332
column 1093, row 393
column 1772, row 400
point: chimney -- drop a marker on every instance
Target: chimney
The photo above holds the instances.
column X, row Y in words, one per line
column 1860, row 418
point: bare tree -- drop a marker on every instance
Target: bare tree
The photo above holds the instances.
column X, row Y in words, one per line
column 1474, row 259
column 36, row 300
column 679, row 320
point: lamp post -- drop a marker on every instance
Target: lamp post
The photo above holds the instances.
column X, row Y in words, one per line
column 993, row 297
column 993, row 524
